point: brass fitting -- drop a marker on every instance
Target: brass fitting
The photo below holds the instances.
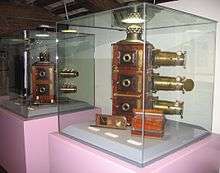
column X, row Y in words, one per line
column 161, row 58
column 167, row 83
column 169, row 107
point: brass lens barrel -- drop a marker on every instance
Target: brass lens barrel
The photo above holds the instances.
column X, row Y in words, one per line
column 168, row 58
column 172, row 83
column 169, row 107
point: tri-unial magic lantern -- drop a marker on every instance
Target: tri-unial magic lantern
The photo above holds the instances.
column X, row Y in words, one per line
column 134, row 83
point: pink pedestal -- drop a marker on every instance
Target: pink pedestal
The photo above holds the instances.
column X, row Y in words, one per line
column 69, row 156
column 24, row 143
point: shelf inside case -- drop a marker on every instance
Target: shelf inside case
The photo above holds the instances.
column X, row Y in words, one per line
column 128, row 147
column 27, row 110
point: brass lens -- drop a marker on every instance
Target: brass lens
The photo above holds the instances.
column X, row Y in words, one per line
column 126, row 58
column 168, row 58
column 42, row 89
column 42, row 74
column 167, row 83
column 126, row 82
column 125, row 107
column 169, row 107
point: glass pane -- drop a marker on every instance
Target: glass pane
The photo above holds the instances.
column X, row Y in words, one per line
column 117, row 84
column 76, row 71
column 182, row 81
column 157, row 17
column 31, row 58
column 149, row 70
column 163, row 17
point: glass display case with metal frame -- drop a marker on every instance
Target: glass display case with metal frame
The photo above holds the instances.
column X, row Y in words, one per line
column 30, row 77
column 146, row 70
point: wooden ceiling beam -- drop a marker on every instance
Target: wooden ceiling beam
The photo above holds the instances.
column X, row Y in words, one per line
column 26, row 11
column 148, row 1
column 79, row 14
column 101, row 5
column 163, row 1
column 17, row 17
column 43, row 3
column 70, row 7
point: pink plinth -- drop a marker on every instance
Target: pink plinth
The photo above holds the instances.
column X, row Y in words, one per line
column 24, row 143
column 69, row 156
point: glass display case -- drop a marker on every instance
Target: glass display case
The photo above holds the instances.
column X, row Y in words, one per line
column 76, row 80
column 29, row 76
column 146, row 70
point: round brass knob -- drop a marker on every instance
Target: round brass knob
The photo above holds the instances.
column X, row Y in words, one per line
column 188, row 84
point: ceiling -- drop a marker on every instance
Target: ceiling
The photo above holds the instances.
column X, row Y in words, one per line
column 77, row 8
column 27, row 14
